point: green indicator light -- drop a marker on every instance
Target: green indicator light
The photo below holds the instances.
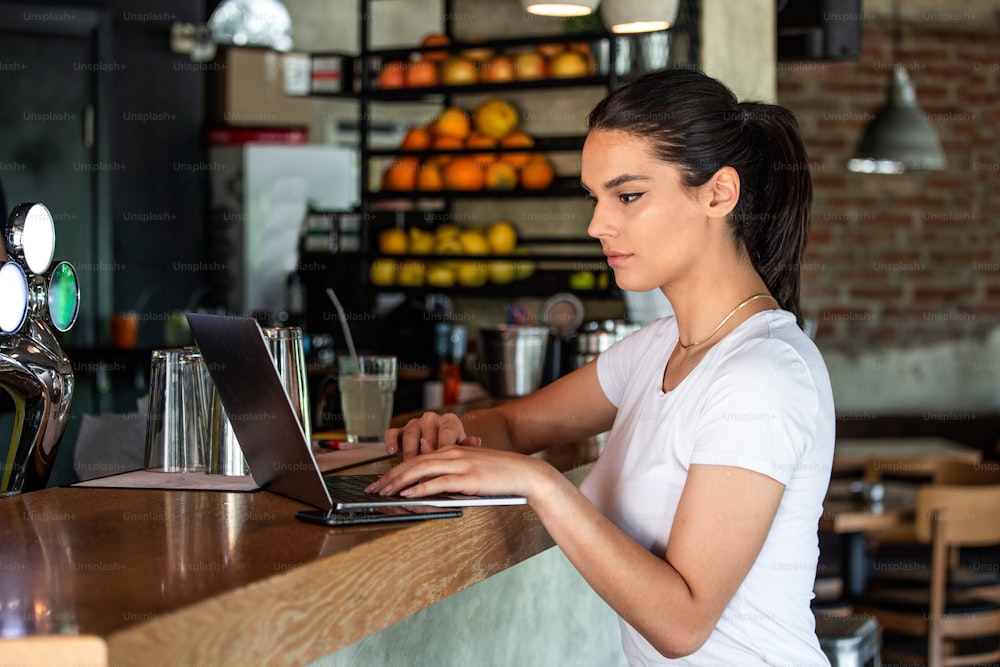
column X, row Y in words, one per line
column 64, row 296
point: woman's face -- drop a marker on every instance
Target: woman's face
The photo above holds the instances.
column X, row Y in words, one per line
column 653, row 230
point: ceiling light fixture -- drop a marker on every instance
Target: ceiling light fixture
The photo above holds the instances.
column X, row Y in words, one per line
column 899, row 138
column 252, row 23
column 564, row 9
column 632, row 16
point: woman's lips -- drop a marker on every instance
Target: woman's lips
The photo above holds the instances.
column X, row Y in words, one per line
column 615, row 259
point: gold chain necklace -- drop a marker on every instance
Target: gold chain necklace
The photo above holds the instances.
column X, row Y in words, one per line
column 726, row 319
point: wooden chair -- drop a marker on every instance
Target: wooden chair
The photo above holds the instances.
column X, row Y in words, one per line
column 920, row 471
column 947, row 517
column 986, row 580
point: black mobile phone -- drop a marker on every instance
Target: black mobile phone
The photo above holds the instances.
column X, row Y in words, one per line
column 387, row 514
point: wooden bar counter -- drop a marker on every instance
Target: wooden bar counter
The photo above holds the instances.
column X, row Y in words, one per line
column 210, row 578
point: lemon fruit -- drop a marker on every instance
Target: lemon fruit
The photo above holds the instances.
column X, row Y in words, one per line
column 495, row 118
column 448, row 245
column 582, row 280
column 472, row 274
column 440, row 274
column 411, row 273
column 382, row 272
column 421, row 241
column 502, row 238
column 523, row 269
column 502, row 272
column 393, row 241
column 474, row 242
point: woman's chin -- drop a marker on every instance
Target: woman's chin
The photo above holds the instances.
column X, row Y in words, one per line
column 632, row 285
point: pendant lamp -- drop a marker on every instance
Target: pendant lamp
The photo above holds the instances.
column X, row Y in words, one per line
column 631, row 16
column 899, row 138
column 556, row 8
column 252, row 23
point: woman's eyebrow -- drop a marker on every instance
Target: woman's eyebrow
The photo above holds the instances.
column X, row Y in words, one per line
column 624, row 178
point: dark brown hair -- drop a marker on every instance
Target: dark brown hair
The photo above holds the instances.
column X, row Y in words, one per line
column 696, row 124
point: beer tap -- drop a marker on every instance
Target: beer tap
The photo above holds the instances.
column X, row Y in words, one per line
column 37, row 299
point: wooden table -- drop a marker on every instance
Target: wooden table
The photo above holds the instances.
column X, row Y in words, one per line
column 853, row 454
column 853, row 518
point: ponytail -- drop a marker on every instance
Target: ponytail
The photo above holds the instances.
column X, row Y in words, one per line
column 771, row 219
column 696, row 124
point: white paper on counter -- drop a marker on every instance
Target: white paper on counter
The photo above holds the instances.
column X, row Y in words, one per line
column 176, row 481
column 326, row 461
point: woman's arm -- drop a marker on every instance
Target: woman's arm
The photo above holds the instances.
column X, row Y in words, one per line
column 675, row 602
column 570, row 409
column 721, row 522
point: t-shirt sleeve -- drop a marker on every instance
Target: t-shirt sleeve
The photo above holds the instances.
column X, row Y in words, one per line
column 616, row 365
column 612, row 369
column 761, row 412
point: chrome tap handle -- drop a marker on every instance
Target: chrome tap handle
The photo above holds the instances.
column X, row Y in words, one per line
column 34, row 369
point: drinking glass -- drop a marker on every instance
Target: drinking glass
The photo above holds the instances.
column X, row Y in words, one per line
column 287, row 348
column 367, row 387
column 225, row 456
column 179, row 410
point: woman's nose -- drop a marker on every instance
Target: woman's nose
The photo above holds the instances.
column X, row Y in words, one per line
column 598, row 225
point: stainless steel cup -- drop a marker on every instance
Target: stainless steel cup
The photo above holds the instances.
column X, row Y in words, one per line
column 177, row 426
column 512, row 359
column 289, row 356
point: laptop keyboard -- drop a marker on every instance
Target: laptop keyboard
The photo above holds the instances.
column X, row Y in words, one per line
column 350, row 488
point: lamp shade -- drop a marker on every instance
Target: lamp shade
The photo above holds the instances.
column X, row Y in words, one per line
column 252, row 23
column 899, row 138
column 556, row 8
column 627, row 16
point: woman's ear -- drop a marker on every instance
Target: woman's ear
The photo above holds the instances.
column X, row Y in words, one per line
column 724, row 187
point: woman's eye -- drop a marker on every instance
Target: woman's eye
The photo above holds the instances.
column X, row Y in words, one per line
column 591, row 198
column 629, row 197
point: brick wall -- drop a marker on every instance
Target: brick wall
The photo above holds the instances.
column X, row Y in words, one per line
column 901, row 260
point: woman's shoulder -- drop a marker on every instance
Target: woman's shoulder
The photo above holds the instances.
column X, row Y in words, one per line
column 771, row 342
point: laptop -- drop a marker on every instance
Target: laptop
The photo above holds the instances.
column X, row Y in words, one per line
column 278, row 454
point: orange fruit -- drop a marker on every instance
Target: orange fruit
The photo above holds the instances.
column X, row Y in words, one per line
column 477, row 140
column 501, row 176
column 569, row 64
column 495, row 118
column 537, row 173
column 463, row 173
column 459, row 71
column 422, row 73
column 477, row 53
column 453, row 122
column 550, row 50
column 446, row 144
column 435, row 39
column 498, row 69
column 392, row 75
column 439, row 160
column 429, row 176
column 401, row 174
column 416, row 139
column 517, row 139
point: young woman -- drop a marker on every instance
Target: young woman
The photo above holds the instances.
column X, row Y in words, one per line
column 698, row 522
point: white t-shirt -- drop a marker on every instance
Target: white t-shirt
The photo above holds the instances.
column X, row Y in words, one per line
column 760, row 399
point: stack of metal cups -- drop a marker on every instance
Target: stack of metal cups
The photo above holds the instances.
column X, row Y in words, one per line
column 288, row 352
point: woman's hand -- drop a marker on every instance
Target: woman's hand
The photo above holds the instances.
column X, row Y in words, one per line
column 467, row 470
column 427, row 433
